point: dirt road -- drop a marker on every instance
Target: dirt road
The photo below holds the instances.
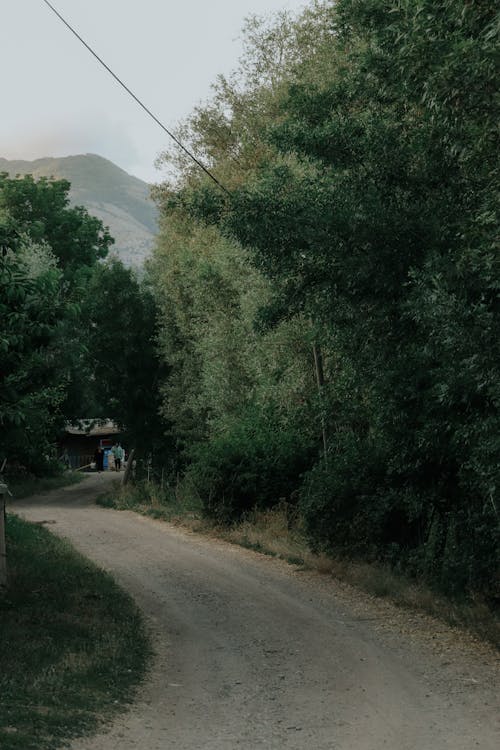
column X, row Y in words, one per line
column 252, row 653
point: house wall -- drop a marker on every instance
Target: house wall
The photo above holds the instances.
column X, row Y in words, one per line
column 81, row 448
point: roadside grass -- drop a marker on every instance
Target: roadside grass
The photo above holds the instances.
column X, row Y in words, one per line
column 72, row 645
column 152, row 500
column 279, row 533
column 26, row 486
column 275, row 533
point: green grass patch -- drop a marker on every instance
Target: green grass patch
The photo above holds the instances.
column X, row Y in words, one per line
column 150, row 499
column 27, row 486
column 72, row 647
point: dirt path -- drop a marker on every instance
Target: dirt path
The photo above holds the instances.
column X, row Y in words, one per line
column 252, row 653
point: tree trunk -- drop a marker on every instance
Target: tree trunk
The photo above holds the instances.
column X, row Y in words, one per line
column 128, row 468
column 3, row 548
column 320, row 381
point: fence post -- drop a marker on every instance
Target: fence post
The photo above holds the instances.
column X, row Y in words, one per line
column 320, row 382
column 3, row 548
column 128, row 467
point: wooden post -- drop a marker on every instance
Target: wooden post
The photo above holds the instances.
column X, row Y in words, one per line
column 128, row 468
column 320, row 380
column 3, row 547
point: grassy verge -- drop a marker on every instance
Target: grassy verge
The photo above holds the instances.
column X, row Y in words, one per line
column 270, row 532
column 72, row 645
column 151, row 500
column 33, row 486
column 279, row 534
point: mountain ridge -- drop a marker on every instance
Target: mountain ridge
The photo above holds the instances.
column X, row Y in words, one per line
column 119, row 199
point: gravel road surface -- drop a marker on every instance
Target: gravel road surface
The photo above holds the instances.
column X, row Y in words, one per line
column 253, row 653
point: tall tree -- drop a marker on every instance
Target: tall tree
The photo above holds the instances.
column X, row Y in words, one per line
column 41, row 210
column 32, row 388
column 48, row 251
column 124, row 369
column 363, row 188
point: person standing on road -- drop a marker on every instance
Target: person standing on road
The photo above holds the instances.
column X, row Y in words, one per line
column 121, row 455
column 118, row 454
column 114, row 453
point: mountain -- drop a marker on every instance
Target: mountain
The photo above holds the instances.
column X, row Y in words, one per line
column 121, row 201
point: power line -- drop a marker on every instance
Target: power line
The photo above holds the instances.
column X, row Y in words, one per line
column 139, row 102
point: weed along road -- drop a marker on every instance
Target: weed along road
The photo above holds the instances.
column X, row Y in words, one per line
column 254, row 653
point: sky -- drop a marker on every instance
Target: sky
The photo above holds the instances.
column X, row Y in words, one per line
column 57, row 100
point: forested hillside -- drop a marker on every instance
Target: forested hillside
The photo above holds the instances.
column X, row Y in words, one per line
column 122, row 202
column 323, row 329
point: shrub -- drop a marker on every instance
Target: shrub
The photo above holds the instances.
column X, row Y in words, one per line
column 337, row 502
column 362, row 508
column 254, row 463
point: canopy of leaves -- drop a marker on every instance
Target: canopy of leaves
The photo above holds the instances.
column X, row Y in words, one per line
column 31, row 385
column 48, row 251
column 121, row 360
column 40, row 210
column 359, row 147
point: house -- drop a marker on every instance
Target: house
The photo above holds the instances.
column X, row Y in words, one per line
column 82, row 440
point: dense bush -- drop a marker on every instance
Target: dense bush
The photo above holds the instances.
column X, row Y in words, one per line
column 254, row 463
column 356, row 507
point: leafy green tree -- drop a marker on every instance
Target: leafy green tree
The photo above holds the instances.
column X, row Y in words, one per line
column 48, row 250
column 40, row 210
column 378, row 219
column 363, row 187
column 221, row 365
column 31, row 385
column 224, row 356
column 123, row 367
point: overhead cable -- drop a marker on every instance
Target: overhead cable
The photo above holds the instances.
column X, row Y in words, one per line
column 136, row 98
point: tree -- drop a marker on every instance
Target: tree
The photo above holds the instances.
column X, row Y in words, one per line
column 48, row 252
column 40, row 210
column 32, row 388
column 378, row 218
column 363, row 188
column 124, row 369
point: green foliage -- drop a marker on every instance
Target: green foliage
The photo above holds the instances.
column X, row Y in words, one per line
column 40, row 209
column 363, row 174
column 32, row 389
column 339, row 502
column 208, row 294
column 121, row 359
column 204, row 288
column 117, row 198
column 257, row 462
column 47, row 254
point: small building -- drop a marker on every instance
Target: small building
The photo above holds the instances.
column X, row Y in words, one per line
column 82, row 440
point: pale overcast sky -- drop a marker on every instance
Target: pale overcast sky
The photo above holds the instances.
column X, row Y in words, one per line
column 56, row 99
